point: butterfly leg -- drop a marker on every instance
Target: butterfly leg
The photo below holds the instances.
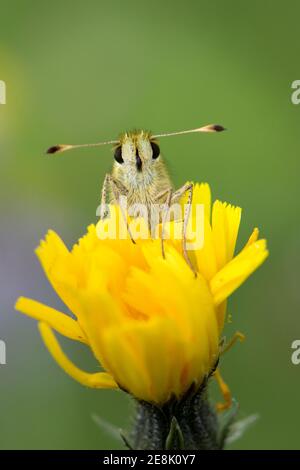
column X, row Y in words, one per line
column 118, row 190
column 187, row 188
column 103, row 213
column 166, row 209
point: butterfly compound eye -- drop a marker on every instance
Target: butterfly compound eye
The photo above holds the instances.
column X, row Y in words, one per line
column 155, row 150
column 118, row 155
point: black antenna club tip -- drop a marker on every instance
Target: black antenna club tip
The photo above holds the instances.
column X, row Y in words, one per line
column 218, row 128
column 55, row 149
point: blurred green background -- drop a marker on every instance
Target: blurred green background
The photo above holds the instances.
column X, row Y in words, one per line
column 82, row 71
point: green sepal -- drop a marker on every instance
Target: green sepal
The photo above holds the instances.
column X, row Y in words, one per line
column 226, row 420
column 174, row 438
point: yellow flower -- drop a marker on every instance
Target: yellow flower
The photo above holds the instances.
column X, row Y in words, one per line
column 153, row 326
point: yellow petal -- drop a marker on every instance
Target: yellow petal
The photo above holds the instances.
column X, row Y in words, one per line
column 206, row 256
column 57, row 320
column 51, row 250
column 225, row 226
column 221, row 311
column 201, row 195
column 125, row 360
column 97, row 380
column 171, row 286
column 101, row 311
column 152, row 368
column 253, row 237
column 236, row 272
column 61, row 270
column 179, row 309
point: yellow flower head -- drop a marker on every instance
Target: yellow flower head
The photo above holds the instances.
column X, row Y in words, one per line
column 151, row 323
